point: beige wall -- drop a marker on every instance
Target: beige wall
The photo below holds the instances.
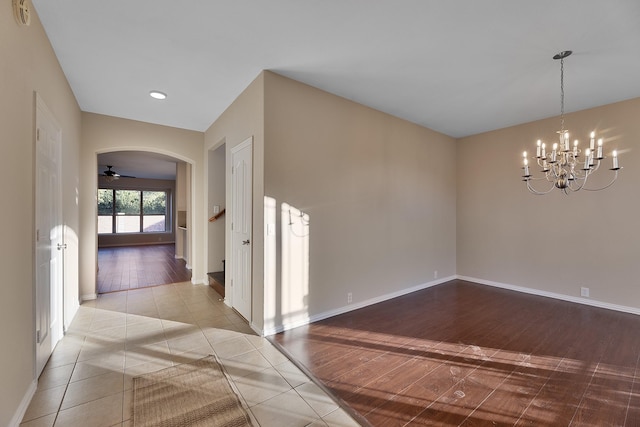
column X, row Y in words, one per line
column 553, row 243
column 243, row 119
column 102, row 134
column 379, row 193
column 29, row 65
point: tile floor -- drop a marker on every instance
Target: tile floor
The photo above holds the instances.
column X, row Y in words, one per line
column 88, row 379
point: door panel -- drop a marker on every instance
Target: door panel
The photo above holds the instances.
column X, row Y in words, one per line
column 49, row 244
column 241, row 227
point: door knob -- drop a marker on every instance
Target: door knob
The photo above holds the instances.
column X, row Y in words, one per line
column 245, row 242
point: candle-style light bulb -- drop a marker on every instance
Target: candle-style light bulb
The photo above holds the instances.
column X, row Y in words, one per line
column 544, row 151
column 615, row 160
column 554, row 153
column 592, row 141
column 566, row 141
column 575, row 148
column 538, row 146
column 599, row 155
column 587, row 155
column 526, row 166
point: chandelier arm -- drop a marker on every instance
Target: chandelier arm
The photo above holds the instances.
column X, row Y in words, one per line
column 537, row 192
column 579, row 187
column 606, row 186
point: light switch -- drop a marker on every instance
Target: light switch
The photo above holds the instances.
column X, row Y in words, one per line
column 216, row 209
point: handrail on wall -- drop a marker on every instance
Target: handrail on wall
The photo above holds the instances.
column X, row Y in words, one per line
column 216, row 216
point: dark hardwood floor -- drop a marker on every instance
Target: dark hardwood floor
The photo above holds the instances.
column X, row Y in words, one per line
column 131, row 267
column 471, row 355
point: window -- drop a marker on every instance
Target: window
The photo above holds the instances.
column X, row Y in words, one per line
column 132, row 211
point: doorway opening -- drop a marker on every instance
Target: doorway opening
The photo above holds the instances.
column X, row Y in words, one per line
column 216, row 263
column 143, row 231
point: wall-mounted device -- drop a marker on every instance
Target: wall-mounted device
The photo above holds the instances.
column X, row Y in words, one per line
column 22, row 12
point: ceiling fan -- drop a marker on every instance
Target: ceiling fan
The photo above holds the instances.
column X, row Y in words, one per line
column 112, row 175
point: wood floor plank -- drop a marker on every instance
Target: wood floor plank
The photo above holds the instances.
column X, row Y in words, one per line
column 131, row 267
column 467, row 354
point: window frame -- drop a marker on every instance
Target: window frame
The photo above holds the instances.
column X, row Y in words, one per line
column 114, row 215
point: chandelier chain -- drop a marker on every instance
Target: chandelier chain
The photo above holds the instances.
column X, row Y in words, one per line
column 562, row 95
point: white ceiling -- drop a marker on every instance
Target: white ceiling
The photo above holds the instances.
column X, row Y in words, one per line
column 460, row 67
column 139, row 164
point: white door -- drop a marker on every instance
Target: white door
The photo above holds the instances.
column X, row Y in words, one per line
column 241, row 217
column 49, row 237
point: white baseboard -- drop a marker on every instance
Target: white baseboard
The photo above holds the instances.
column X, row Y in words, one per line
column 199, row 282
column 569, row 298
column 88, row 297
column 24, row 404
column 351, row 307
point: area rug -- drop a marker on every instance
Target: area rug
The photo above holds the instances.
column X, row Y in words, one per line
column 191, row 394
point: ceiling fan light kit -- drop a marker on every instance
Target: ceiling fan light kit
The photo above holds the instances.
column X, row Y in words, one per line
column 110, row 175
column 565, row 167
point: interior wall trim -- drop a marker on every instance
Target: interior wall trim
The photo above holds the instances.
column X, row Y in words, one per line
column 24, row 404
column 88, row 297
column 354, row 306
column 563, row 297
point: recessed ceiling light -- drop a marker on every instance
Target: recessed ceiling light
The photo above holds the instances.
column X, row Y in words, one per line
column 157, row 94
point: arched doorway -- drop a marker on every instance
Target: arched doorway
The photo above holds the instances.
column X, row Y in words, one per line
column 142, row 220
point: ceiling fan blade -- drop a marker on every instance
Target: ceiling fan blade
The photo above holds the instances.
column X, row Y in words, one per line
column 113, row 174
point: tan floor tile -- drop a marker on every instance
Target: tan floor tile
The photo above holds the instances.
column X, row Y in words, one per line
column 246, row 364
column 109, row 335
column 316, row 398
column 272, row 354
column 143, row 368
column 46, row 421
column 141, row 333
column 55, row 376
column 219, row 321
column 145, row 353
column 261, row 386
column 284, row 410
column 97, row 325
column 292, row 374
column 234, row 347
column 95, row 348
column 61, row 357
column 339, row 418
column 109, row 362
column 188, row 342
column 103, row 412
column 191, row 355
column 93, row 388
column 44, row 402
column 219, row 335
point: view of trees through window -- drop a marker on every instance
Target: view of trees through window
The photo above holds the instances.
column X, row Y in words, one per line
column 131, row 211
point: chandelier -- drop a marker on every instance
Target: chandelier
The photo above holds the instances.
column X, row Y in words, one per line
column 567, row 167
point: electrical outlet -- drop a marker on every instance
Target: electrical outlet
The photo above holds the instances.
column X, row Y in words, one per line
column 349, row 297
column 435, row 274
column 584, row 292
